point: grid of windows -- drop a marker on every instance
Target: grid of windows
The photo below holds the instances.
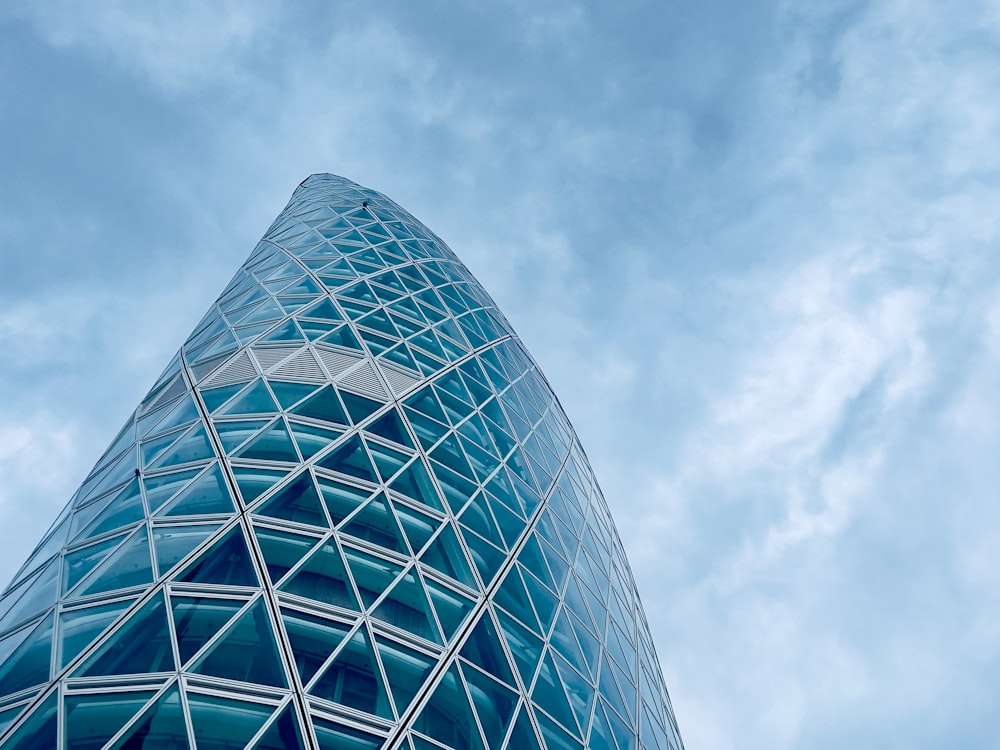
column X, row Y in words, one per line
column 350, row 514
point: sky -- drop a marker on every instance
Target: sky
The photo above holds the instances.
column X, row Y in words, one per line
column 755, row 247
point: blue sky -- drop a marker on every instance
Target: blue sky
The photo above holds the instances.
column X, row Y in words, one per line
column 754, row 247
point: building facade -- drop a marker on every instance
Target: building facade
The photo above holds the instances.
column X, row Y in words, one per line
column 350, row 514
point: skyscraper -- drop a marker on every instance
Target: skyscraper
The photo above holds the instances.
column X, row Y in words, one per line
column 350, row 514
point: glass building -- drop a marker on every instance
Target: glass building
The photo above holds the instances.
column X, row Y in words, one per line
column 350, row 514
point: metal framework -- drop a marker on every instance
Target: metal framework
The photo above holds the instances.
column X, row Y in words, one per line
column 351, row 514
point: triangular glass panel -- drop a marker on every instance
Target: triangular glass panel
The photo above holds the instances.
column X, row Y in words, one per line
column 376, row 524
column 161, row 488
column 216, row 397
column 256, row 399
column 164, row 721
column 414, row 482
column 601, row 736
column 343, row 336
column 323, row 577
column 448, row 716
column 289, row 394
column 444, row 554
column 247, row 651
column 282, row 550
column 548, row 693
column 222, row 723
column 522, row 737
column 185, row 411
column 312, row 639
column 407, row 669
column 283, row 734
column 322, row 310
column 194, row 445
column 297, row 502
column 354, row 679
column 323, row 405
column 141, row 644
column 79, row 563
column 334, row 736
column 130, row 565
column 387, row 460
column 341, row 499
column 125, row 509
column 311, row 439
column 524, row 646
column 556, row 738
column 233, row 433
column 351, row 458
column 580, row 692
column 544, row 601
column 173, row 543
column 78, row 628
column 27, row 656
column 483, row 649
column 487, row 558
column 40, row 729
column 359, row 407
column 254, row 482
column 227, row 562
column 451, row 607
column 514, row 599
column 407, row 608
column 198, row 618
column 287, row 332
column 273, row 444
column 371, row 574
column 417, row 527
column 207, row 495
column 493, row 702
column 93, row 719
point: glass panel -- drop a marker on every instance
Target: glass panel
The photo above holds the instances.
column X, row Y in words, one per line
column 324, row 578
column 406, row 670
column 390, row 426
column 161, row 727
column 283, row 734
column 255, row 482
column 161, row 488
column 341, row 499
column 451, row 608
column 353, row 679
column 418, row 527
column 282, row 550
column 549, row 694
column 131, row 565
column 359, row 407
column 415, row 483
column 298, row 502
column 524, row 645
column 254, row 400
column 273, row 444
column 208, row 494
column 92, row 720
column 484, row 650
column 333, row 736
column 174, row 543
column 223, row 723
column 312, row 639
column 78, row 564
column 79, row 628
column 227, row 562
column 30, row 661
column 324, row 406
column 193, row 446
column 376, row 523
column 312, row 439
column 141, row 644
column 445, row 555
column 351, row 458
column 494, row 704
column 198, row 619
column 407, row 608
column 39, row 731
column 448, row 715
column 246, row 652
column 373, row 575
column 125, row 509
column 289, row 394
